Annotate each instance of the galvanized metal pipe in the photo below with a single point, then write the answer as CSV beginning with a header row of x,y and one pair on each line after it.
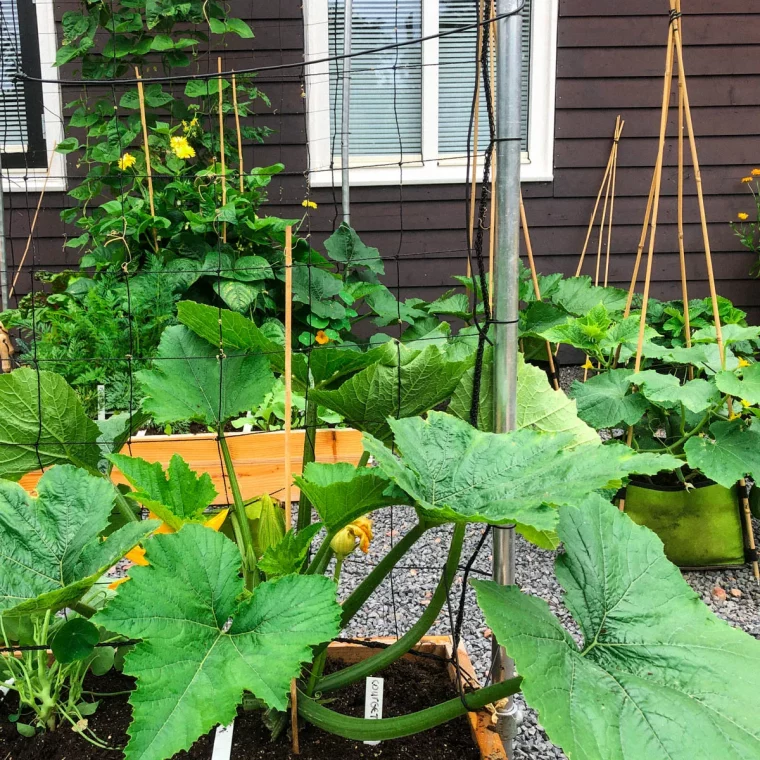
x,y
506,293
345,135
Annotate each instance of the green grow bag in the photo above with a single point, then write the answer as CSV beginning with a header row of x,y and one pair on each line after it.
x,y
700,527
754,501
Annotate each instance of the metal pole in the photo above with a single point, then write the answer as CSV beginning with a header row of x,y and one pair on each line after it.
x,y
345,144
3,258
506,295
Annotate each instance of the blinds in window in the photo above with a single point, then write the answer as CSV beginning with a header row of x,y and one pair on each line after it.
x,y
386,87
457,68
13,119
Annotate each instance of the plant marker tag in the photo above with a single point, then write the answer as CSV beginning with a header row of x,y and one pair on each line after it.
x,y
6,687
223,742
373,701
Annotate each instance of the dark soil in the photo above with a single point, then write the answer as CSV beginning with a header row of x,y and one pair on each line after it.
x,y
409,686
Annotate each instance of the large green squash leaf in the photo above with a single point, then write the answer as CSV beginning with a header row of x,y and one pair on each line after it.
x,y
177,496
326,364
42,422
341,492
666,390
606,400
731,452
578,296
50,549
746,387
405,384
539,406
658,676
201,647
455,472
189,381
345,246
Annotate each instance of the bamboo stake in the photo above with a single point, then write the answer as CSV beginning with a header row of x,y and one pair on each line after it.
x,y
288,373
294,717
146,146
221,146
536,288
675,7
492,228
593,215
619,131
239,134
32,227
667,83
748,525
475,138
6,350
604,219
640,250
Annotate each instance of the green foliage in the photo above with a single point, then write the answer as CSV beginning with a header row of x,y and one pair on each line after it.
x,y
289,554
454,472
75,640
606,400
657,676
731,451
192,381
50,551
341,493
743,385
267,523
404,383
176,496
193,664
42,423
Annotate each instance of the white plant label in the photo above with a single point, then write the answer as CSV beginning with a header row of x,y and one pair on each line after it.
x,y
373,701
6,687
223,742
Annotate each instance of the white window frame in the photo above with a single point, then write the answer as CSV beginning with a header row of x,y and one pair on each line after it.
x,y
538,161
33,180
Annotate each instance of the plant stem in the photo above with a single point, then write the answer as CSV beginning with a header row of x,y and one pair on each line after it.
x,y
364,459
321,558
407,642
361,729
122,504
240,519
365,589
694,431
309,455
83,609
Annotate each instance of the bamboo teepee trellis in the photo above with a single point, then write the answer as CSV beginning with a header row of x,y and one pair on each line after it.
x,y
674,60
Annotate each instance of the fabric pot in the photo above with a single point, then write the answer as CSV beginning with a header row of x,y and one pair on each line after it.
x,y
754,501
700,527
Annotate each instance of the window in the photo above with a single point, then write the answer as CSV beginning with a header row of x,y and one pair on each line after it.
x,y
410,106
30,112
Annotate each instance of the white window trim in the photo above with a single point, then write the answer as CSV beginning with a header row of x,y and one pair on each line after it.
x,y
33,180
538,163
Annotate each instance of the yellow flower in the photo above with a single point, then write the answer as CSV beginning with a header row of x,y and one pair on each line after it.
x,y
344,541
137,555
182,148
588,364
756,172
743,362
745,403
188,126
322,338
746,179
733,416
308,204
126,161
743,216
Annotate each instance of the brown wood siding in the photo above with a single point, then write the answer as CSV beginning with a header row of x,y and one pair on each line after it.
x,y
610,61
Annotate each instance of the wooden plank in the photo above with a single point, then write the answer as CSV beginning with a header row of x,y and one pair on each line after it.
x,y
258,457
601,63
643,92
571,8
649,31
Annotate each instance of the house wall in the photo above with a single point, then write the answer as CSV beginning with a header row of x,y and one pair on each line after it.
x,y
610,61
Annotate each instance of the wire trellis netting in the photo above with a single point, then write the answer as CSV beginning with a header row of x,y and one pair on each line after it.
x,y
164,128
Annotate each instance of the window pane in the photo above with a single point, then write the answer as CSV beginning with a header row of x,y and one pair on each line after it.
x,y
457,78
13,127
386,87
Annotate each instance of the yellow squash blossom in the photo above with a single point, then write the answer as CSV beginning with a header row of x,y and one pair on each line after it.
x,y
745,403
308,204
588,364
743,216
126,161
746,179
344,541
137,555
743,362
182,148
322,338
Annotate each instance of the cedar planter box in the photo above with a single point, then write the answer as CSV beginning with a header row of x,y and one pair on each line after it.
x,y
259,457
483,731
